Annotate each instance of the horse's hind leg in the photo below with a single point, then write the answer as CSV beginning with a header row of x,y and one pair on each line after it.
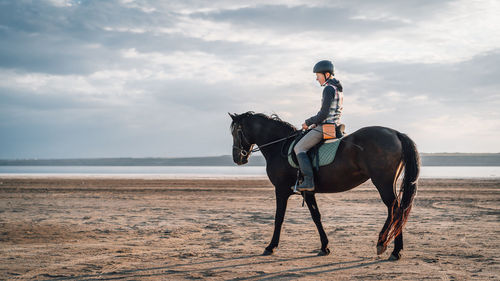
x,y
388,196
316,216
398,246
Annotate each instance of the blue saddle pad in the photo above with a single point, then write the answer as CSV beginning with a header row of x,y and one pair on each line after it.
x,y
326,153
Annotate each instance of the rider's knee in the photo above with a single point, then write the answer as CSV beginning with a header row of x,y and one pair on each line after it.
x,y
297,149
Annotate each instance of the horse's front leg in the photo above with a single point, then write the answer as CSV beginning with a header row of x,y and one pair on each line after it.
x,y
281,201
316,216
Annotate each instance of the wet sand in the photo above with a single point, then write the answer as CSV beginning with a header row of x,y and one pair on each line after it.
x,y
174,229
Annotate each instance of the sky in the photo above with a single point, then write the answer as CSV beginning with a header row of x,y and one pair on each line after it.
x,y
125,78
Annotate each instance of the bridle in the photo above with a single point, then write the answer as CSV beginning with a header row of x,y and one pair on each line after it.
x,y
245,153
241,136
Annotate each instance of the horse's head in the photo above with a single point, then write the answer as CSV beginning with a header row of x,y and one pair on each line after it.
x,y
242,138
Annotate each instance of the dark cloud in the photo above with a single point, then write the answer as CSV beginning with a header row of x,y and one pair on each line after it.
x,y
285,19
85,38
452,82
77,20
39,37
411,9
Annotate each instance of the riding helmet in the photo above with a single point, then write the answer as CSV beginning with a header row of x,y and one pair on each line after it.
x,y
323,67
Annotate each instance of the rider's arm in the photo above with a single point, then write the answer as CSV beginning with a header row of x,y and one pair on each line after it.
x,y
328,94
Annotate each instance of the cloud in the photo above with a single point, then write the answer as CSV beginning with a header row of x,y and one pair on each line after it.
x,y
432,38
148,78
297,19
465,82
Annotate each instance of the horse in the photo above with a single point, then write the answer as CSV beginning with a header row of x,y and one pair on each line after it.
x,y
376,153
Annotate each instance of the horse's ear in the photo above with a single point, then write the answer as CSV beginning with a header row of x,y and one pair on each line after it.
x,y
233,116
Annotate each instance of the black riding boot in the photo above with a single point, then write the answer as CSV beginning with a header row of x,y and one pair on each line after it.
x,y
307,170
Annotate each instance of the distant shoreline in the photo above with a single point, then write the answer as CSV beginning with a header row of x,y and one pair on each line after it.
x,y
427,159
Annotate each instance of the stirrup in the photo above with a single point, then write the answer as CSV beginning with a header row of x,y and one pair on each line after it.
x,y
306,189
294,188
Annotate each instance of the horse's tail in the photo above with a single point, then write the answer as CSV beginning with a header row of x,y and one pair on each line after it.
x,y
402,204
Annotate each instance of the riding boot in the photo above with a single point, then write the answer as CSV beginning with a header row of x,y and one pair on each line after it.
x,y
307,170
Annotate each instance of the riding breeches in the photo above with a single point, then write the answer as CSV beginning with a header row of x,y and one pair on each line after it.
x,y
312,138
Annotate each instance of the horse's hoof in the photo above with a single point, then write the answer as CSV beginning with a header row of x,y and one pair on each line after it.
x,y
394,257
267,252
324,252
381,249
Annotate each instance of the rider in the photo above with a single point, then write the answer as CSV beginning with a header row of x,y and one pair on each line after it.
x,y
331,110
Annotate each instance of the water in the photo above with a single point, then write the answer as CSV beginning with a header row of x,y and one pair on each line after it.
x,y
136,171
210,171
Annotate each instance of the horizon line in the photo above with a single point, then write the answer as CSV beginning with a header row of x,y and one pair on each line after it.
x,y
224,155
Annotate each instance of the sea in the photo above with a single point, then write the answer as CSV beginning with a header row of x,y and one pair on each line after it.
x,y
209,172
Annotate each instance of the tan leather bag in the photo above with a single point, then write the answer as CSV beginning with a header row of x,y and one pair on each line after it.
x,y
329,131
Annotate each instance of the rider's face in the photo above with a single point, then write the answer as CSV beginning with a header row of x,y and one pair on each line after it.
x,y
321,78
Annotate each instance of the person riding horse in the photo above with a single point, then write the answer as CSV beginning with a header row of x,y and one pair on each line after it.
x,y
326,118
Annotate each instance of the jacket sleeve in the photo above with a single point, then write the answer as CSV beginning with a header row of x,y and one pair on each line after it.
x,y
328,94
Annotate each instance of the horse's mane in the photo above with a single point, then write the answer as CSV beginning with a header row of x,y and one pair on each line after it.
x,y
273,117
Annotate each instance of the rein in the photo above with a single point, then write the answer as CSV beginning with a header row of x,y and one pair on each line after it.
x,y
273,142
244,152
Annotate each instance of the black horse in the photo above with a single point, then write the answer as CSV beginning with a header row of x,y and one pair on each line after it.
x,y
375,153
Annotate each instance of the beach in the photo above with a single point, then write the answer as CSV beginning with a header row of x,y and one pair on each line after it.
x,y
81,228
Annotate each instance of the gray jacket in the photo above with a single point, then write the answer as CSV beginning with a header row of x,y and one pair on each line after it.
x,y
331,105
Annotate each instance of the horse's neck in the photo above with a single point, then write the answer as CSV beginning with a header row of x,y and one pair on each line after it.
x,y
269,134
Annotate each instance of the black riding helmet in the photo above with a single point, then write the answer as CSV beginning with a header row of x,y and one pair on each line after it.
x,y
323,66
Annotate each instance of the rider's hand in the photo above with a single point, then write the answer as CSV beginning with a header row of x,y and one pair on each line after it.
x,y
304,126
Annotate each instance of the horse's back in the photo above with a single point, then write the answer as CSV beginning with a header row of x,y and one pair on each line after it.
x,y
363,154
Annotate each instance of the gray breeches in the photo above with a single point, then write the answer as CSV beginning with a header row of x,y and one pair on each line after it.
x,y
312,138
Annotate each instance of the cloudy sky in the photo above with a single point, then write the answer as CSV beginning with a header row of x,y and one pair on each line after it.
x,y
125,78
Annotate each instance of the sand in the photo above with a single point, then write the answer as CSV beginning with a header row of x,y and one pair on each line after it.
x,y
174,229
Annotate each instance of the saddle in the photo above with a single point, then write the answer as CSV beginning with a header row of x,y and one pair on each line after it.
x,y
322,153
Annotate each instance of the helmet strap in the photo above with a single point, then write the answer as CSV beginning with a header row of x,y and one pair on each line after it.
x,y
326,80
